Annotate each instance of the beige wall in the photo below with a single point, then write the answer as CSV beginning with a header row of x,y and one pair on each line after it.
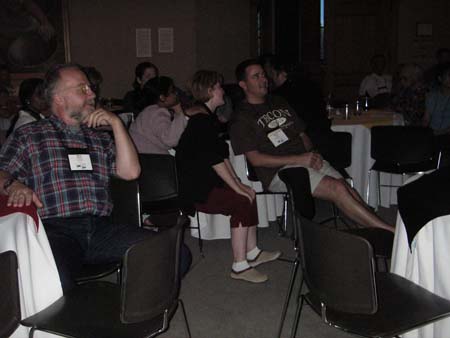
x,y
422,49
207,34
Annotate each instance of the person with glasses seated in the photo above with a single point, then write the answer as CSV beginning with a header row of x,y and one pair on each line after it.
x,y
63,164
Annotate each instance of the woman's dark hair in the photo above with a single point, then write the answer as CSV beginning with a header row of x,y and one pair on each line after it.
x,y
139,72
27,89
153,88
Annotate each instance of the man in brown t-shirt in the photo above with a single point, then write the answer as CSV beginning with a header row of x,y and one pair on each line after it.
x,y
269,133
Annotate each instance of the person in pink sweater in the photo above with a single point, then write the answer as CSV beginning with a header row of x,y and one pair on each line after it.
x,y
159,126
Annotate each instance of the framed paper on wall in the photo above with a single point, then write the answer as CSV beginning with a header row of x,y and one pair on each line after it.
x,y
34,34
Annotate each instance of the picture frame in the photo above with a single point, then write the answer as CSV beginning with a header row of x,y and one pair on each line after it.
x,y
33,39
424,29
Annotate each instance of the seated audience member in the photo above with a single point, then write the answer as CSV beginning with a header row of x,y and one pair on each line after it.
x,y
37,165
305,97
209,183
431,74
134,100
159,126
408,96
438,103
272,137
33,106
377,85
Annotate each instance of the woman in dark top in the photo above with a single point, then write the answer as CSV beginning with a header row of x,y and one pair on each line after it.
x,y
210,184
134,100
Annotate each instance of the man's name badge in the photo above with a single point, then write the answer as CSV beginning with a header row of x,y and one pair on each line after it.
x,y
277,137
79,160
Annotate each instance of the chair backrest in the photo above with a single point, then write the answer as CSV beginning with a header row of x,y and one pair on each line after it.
x,y
150,275
339,151
250,171
9,294
402,145
158,180
299,189
339,269
125,197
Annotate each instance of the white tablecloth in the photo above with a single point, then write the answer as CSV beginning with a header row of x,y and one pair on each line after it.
x,y
39,284
362,162
218,226
426,265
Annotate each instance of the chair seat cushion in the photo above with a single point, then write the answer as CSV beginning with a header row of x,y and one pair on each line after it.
x,y
97,307
164,206
402,306
96,271
397,168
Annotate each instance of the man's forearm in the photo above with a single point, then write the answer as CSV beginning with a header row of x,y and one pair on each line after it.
x,y
127,160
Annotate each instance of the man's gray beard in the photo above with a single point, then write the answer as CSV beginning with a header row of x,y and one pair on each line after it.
x,y
76,115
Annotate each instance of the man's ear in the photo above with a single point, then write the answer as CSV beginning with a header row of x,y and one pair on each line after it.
x,y
242,84
162,98
210,90
58,99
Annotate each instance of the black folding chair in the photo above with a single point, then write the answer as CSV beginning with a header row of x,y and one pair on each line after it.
x,y
252,177
346,291
302,204
142,306
126,211
339,154
401,150
9,294
158,188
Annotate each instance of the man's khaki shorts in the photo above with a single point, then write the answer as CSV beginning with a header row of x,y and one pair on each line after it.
x,y
315,176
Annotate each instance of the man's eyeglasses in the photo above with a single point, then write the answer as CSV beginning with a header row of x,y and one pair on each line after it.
x,y
84,88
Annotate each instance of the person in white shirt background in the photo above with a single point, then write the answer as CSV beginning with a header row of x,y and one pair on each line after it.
x,y
377,86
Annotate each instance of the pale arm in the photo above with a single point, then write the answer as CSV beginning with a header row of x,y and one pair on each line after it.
x,y
246,188
127,161
224,173
307,141
18,193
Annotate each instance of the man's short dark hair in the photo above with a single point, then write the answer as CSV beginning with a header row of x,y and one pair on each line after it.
x,y
242,67
52,77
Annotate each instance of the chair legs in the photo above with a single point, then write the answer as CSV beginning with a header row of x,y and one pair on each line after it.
x,y
188,330
200,240
298,312
295,265
283,224
292,279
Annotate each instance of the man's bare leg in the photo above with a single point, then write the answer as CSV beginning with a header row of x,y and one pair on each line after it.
x,y
338,192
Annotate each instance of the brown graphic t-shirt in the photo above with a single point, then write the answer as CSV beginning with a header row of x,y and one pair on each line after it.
x,y
254,125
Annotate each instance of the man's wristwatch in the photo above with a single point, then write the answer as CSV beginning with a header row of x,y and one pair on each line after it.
x,y
8,183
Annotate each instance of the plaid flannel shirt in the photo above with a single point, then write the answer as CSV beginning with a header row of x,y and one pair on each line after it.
x,y
36,155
